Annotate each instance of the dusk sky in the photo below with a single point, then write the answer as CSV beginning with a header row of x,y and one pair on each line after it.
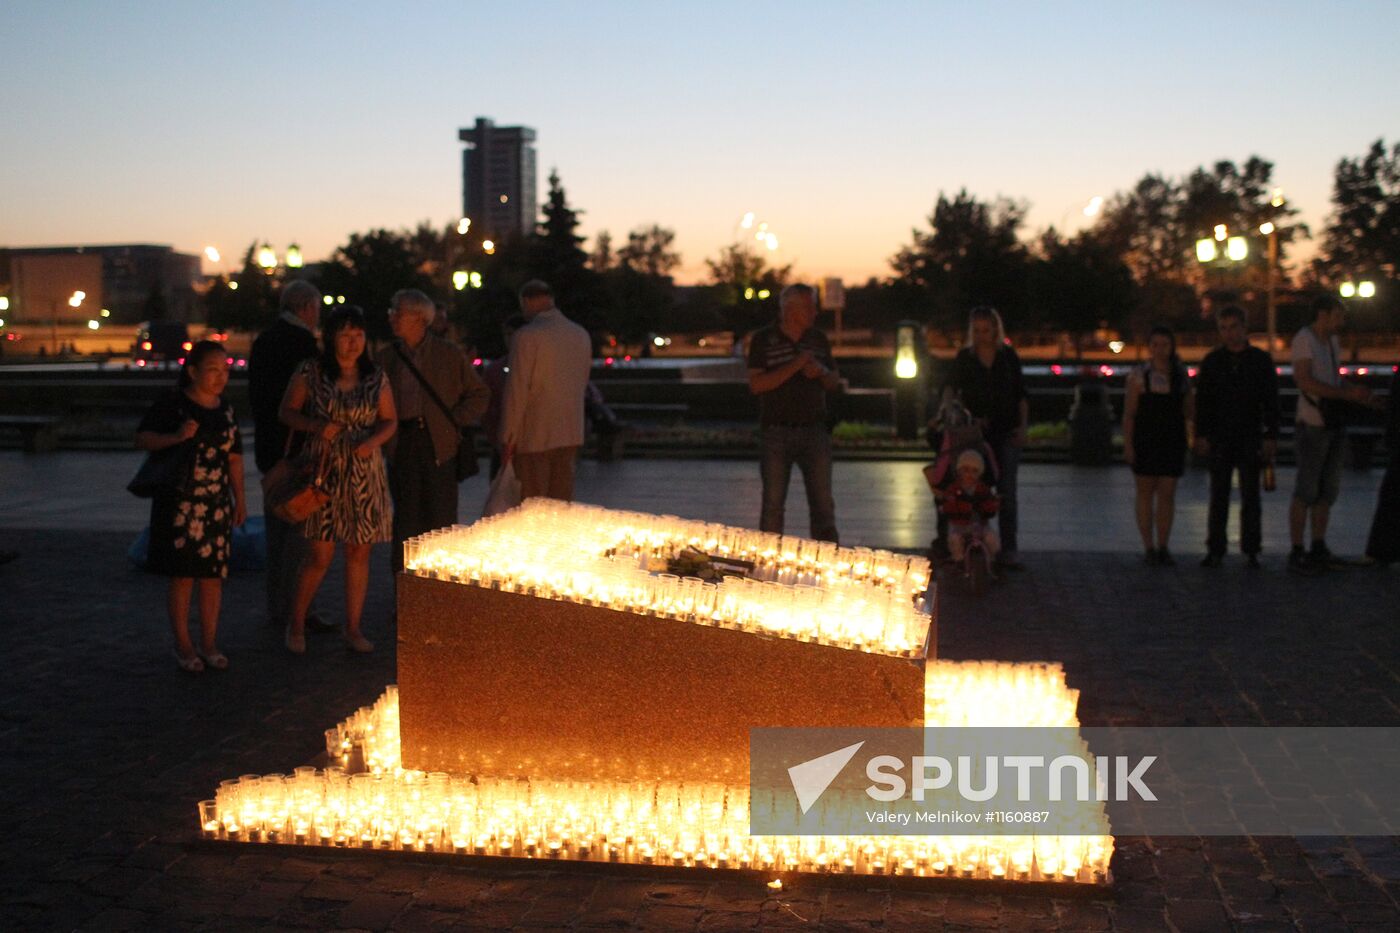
x,y
195,123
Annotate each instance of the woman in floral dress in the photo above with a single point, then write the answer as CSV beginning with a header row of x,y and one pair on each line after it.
x,y
192,523
343,402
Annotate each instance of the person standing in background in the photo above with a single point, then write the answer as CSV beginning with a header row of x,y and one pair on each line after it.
x,y
550,361
277,353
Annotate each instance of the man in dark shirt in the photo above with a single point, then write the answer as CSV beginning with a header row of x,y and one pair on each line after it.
x,y
1237,415
277,353
791,371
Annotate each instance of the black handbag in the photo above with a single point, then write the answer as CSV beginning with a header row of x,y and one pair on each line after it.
x,y
466,462
164,471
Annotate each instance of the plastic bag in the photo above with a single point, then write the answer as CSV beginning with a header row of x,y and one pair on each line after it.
x,y
504,494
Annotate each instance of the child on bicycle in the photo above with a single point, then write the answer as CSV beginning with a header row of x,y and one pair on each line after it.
x,y
969,505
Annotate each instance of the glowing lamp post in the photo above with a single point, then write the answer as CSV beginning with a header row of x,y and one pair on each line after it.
x,y
294,260
908,390
1221,249
267,258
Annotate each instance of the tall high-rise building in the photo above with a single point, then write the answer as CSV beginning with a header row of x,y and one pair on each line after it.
x,y
498,178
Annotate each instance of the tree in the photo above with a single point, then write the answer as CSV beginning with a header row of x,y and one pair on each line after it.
x,y
1079,284
742,276
369,268
969,256
602,258
1154,228
648,251
1362,237
556,255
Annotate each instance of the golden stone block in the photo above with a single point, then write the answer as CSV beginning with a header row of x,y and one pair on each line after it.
x,y
506,684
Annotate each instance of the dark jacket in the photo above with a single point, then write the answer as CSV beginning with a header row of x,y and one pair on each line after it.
x,y
1237,398
994,393
275,356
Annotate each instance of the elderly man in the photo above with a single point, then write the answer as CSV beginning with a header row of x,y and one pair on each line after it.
x,y
437,393
542,415
791,371
277,353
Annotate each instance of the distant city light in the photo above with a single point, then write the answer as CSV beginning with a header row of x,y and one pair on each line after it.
x,y
1205,251
75,300
1093,207
93,325
1220,232
488,246
476,280
1277,199
1366,289
1116,346
1266,228
1237,248
763,294
747,222
464,225
266,257
4,303
748,294
211,254
659,341
1348,290
232,285
328,299
2,322
772,241
460,279
505,198
106,313
294,260
340,299
80,295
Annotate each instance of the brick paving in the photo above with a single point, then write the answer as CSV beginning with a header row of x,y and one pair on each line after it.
x,y
105,748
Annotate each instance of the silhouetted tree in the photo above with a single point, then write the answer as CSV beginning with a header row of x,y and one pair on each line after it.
x,y
1362,238
648,251
1079,284
369,268
969,256
741,275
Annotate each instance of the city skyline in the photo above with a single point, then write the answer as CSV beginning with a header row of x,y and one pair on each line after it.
x,y
165,123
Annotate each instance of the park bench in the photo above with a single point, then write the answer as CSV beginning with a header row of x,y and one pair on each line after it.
x,y
38,433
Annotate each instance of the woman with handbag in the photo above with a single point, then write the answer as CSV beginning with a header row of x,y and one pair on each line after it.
x,y
197,498
343,402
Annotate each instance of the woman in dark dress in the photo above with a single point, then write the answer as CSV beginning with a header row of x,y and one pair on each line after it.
x,y
1383,546
986,376
1158,406
192,524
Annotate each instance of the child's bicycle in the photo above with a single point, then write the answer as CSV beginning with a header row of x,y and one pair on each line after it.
x,y
977,564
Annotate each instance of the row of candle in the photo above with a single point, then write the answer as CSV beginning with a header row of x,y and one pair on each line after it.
x,y
695,826
998,693
590,555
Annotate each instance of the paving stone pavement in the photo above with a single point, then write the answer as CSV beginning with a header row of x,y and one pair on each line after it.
x,y
105,748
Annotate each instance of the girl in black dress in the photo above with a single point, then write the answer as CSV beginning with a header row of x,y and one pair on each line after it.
x,y
192,524
1160,403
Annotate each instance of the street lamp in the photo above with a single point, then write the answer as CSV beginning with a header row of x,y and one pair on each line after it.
x,y
1363,289
1208,249
294,260
267,259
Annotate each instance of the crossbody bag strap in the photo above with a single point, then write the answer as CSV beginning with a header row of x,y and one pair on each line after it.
x,y
432,394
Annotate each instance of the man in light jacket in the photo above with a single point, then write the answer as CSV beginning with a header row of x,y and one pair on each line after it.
x,y
542,414
422,453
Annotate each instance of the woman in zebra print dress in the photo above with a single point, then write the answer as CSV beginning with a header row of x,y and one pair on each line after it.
x,y
344,403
